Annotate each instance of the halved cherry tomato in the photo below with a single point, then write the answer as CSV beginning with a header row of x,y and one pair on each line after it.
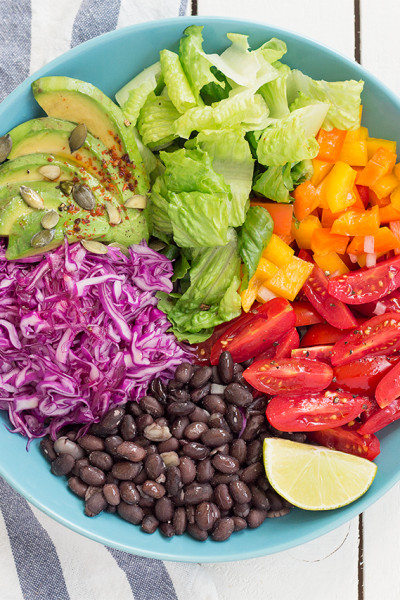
x,y
287,343
390,303
367,285
331,309
306,314
347,440
321,334
381,417
288,375
256,331
363,375
377,336
322,353
388,389
314,412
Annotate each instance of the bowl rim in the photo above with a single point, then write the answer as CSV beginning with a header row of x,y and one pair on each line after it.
x,y
351,510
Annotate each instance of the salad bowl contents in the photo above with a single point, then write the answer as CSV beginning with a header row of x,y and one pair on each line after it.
x,y
199,297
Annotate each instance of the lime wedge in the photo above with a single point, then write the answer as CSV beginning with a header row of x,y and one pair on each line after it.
x,y
314,477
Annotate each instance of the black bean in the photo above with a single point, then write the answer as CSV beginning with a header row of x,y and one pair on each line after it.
x,y
110,421
253,427
170,445
225,367
131,451
254,452
262,482
225,463
77,486
81,462
95,504
259,498
130,512
143,421
179,396
198,492
173,385
239,523
184,372
240,492
223,529
164,509
111,494
134,409
195,450
153,489
234,418
167,529
256,517
47,448
100,459
200,393
158,389
112,442
179,520
111,509
129,492
197,533
216,437
62,465
251,473
205,471
190,513
92,475
111,479
214,403
200,377
224,478
217,421
151,406
173,481
275,501
235,393
143,442
238,450
258,406
272,514
91,442
222,497
140,477
178,426
179,498
126,470
241,509
187,469
199,414
128,427
215,378
147,503
224,449
92,490
149,524
154,465
194,430
180,409
206,514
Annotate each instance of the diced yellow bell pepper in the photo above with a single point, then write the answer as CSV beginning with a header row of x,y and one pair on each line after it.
x,y
385,185
321,170
396,170
374,143
304,229
331,263
356,135
339,187
278,252
354,153
395,198
362,258
265,269
249,294
289,280
321,189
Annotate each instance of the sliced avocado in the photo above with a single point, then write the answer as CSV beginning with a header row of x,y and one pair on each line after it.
x,y
131,230
15,207
81,102
50,136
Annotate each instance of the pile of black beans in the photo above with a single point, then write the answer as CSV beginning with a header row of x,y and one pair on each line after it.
x,y
180,460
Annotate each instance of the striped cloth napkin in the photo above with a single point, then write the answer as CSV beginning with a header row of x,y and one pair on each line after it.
x,y
39,558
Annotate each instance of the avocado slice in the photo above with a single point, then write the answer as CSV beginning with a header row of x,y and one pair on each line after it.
x,y
50,136
81,102
14,207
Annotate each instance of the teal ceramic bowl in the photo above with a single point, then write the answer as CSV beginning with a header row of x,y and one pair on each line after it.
x,y
108,62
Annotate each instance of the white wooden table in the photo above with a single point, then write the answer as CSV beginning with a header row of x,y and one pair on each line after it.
x,y
358,561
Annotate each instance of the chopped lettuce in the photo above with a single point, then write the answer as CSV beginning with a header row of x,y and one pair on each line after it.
x,y
156,122
133,95
194,62
177,85
253,237
275,183
301,171
212,92
274,93
343,97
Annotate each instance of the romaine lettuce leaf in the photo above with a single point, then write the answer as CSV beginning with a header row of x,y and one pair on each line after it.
x,y
212,92
274,93
253,237
194,62
301,171
275,184
133,95
189,170
177,85
156,122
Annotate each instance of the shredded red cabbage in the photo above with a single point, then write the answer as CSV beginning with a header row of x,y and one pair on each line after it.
x,y
80,333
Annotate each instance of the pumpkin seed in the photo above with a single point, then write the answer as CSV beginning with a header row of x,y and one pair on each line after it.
x,y
120,247
114,216
5,147
51,172
94,247
77,137
66,187
137,201
31,197
42,238
83,196
50,219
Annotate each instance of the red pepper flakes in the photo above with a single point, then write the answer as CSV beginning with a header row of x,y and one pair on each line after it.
x,y
50,159
124,187
78,156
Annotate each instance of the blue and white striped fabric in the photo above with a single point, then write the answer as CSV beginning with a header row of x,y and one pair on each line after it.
x,y
39,558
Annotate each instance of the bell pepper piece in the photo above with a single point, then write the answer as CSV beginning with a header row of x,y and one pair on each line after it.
x,y
380,164
363,192
328,218
324,242
287,239
395,198
354,153
389,213
357,222
396,170
306,200
304,229
281,214
265,269
321,170
289,280
330,144
339,186
331,264
373,144
384,241
356,135
385,186
395,229
375,201
248,296
278,252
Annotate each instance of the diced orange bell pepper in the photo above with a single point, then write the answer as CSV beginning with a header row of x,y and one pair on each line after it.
x,y
248,295
395,198
358,202
328,218
321,190
288,281
374,143
281,214
375,201
331,263
395,229
357,222
385,186
354,153
384,241
304,229
380,164
321,170
330,144
388,213
278,252
306,200
339,187
396,170
265,269
324,242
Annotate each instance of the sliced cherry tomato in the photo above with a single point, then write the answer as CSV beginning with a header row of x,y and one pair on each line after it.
x,y
306,314
363,375
388,389
314,412
321,334
203,349
347,440
253,333
322,353
377,336
288,375
289,342
332,310
390,303
381,418
367,285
